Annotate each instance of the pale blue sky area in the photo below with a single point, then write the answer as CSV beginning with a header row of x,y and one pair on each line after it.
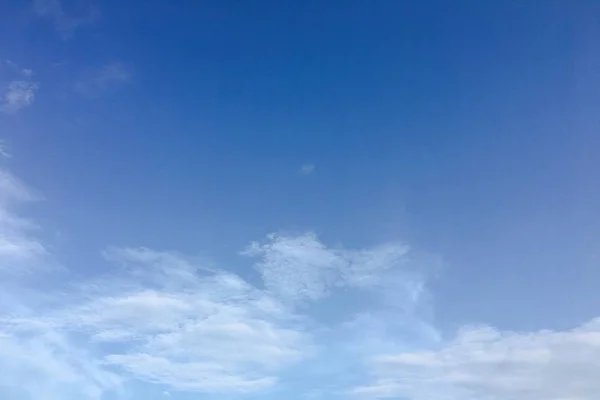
x,y
304,200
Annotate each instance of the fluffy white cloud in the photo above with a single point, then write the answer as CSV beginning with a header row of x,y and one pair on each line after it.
x,y
486,364
19,94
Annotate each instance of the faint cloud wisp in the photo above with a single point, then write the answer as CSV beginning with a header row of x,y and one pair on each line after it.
x,y
306,169
65,22
103,80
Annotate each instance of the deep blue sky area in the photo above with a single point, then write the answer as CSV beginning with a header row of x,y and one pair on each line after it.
x,y
467,130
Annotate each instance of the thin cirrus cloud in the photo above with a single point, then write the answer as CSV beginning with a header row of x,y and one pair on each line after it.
x,y
161,318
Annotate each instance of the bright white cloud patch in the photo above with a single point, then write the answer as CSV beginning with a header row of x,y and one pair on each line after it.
x,y
297,268
19,94
482,363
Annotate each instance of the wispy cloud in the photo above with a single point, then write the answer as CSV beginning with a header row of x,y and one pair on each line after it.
x,y
298,268
103,80
162,318
4,153
65,22
19,248
181,326
306,169
19,94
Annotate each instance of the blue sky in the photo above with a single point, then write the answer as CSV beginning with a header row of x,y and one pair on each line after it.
x,y
304,200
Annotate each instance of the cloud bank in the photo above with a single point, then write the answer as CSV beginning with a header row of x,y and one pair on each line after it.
x,y
311,320
484,363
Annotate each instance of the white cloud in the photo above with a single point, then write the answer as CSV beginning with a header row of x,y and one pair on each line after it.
x,y
182,326
162,318
65,22
307,169
486,364
297,268
103,80
19,94
20,90
195,330
39,363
